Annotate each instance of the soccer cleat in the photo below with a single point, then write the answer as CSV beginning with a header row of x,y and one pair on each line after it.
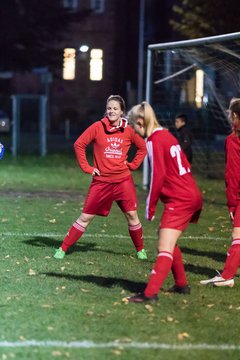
x,y
218,281
59,254
141,298
180,289
142,255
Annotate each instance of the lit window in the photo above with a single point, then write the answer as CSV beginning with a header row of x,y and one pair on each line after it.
x,y
69,60
199,88
98,6
71,4
96,64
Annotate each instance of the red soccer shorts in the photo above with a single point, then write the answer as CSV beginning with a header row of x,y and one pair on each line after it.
x,y
101,195
178,215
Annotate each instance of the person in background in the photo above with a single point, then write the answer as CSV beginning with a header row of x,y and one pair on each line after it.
x,y
1,150
172,183
184,135
112,181
232,182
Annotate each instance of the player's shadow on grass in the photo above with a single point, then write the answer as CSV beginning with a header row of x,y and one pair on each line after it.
x,y
200,270
44,241
217,256
81,246
107,282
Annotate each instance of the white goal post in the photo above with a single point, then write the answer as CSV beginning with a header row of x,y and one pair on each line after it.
x,y
197,77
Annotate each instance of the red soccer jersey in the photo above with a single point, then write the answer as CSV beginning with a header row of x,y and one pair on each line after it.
x,y
171,177
110,150
232,170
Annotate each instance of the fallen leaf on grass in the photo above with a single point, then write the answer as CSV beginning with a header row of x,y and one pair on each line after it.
x,y
56,353
47,306
85,290
149,308
89,313
170,319
31,272
211,228
183,336
125,300
52,221
116,352
210,305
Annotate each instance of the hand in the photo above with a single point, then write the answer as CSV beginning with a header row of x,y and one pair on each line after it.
x,y
150,218
232,212
95,172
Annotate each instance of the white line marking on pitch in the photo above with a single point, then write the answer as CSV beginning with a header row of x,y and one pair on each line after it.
x,y
118,236
116,344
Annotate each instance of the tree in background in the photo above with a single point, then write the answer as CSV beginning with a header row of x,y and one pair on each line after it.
x,y
31,31
197,18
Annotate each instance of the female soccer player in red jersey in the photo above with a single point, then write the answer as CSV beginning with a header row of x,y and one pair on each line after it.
x,y
232,181
112,138
171,182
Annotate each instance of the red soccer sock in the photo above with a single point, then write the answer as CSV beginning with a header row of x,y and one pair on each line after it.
x,y
74,233
159,273
233,260
178,268
136,234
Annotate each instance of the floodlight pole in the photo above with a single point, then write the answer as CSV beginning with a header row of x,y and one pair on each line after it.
x,y
141,50
43,124
145,182
15,124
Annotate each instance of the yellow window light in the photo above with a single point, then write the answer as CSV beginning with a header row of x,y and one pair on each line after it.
x,y
96,64
199,92
69,64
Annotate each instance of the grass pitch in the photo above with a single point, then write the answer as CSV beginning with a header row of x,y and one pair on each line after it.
x,y
73,308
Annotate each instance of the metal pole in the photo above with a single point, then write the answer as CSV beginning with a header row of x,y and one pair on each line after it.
x,y
43,125
141,50
148,99
15,124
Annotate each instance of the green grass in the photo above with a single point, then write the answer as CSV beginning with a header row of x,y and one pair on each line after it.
x,y
80,297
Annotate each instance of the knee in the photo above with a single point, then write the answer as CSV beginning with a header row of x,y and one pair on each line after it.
x,y
236,233
132,217
85,219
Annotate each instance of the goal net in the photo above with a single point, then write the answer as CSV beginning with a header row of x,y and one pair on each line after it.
x,y
198,78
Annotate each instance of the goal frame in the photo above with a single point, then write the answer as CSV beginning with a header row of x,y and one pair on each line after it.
x,y
149,71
